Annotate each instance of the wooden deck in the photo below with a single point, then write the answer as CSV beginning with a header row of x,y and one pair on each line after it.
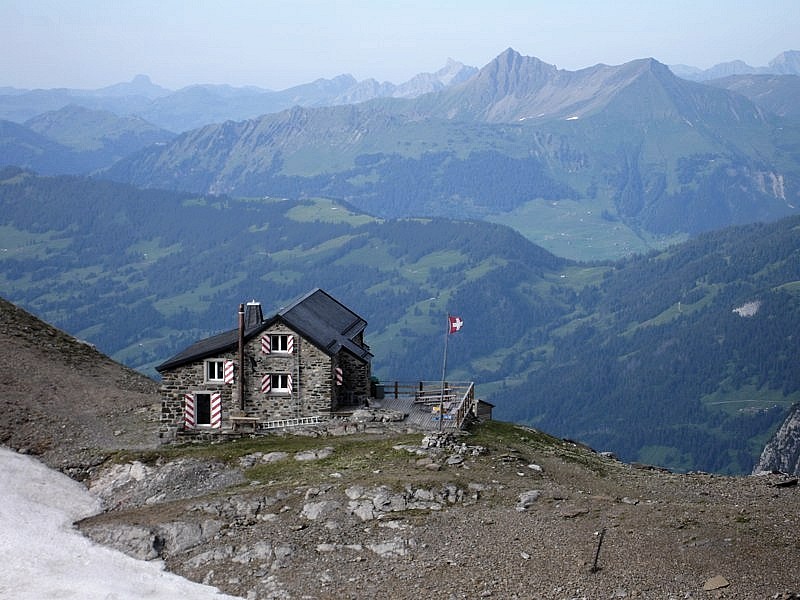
x,y
419,415
421,401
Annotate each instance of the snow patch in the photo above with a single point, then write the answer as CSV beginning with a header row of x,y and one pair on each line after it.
x,y
44,556
748,309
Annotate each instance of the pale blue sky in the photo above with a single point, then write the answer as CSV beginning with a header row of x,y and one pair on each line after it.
x,y
276,44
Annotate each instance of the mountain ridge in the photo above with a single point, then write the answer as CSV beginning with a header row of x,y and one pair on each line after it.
x,y
54,377
197,105
785,63
588,135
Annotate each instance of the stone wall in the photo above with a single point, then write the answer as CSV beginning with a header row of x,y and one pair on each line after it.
x,y
189,379
310,369
313,383
356,381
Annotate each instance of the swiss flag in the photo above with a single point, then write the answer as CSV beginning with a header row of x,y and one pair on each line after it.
x,y
455,324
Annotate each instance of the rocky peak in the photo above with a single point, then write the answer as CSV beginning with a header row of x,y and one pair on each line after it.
x,y
513,73
786,63
454,72
423,83
782,452
340,83
141,85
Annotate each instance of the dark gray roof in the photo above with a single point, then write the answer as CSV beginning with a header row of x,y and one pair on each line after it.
x,y
317,316
328,323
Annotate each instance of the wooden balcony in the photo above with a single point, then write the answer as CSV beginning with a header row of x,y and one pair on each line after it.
x,y
430,405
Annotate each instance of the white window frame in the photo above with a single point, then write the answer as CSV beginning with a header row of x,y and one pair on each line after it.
x,y
276,380
219,368
279,343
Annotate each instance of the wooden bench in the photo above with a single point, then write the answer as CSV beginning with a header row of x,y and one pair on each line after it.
x,y
433,398
242,421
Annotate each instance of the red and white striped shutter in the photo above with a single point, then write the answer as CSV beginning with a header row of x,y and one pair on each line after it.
x,y
228,377
339,376
265,344
289,383
216,410
266,384
290,345
188,411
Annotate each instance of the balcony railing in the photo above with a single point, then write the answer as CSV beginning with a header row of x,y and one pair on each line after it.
x,y
450,403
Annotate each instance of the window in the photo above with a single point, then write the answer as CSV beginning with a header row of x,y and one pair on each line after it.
x,y
276,383
281,383
215,370
281,343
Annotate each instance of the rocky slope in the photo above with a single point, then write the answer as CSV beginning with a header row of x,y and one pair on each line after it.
x,y
782,452
66,402
503,512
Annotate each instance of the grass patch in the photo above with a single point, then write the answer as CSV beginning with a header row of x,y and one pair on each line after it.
x,y
748,399
26,245
357,456
323,210
578,230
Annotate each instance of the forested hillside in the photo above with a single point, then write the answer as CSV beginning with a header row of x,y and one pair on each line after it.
x,y
699,342
141,273
647,357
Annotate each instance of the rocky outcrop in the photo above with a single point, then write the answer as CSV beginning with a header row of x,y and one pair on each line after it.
x,y
447,515
149,543
782,452
137,484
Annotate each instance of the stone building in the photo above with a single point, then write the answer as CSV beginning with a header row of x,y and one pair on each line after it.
x,y
303,363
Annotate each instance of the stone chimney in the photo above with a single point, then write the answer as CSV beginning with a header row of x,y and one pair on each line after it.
x,y
252,315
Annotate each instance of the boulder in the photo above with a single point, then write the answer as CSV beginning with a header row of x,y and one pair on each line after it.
x,y
527,499
314,454
314,511
134,540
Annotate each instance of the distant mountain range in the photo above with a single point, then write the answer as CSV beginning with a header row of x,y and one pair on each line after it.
x,y
198,105
656,154
202,104
619,158
786,63
775,93
75,139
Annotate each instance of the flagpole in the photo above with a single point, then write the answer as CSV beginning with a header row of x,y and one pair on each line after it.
x,y
444,370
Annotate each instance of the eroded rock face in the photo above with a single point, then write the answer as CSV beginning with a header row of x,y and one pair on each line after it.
x,y
148,543
135,484
782,452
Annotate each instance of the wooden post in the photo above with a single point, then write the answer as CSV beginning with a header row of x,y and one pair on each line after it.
x,y
595,568
241,357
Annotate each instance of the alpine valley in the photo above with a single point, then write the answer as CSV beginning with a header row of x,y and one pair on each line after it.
x,y
623,244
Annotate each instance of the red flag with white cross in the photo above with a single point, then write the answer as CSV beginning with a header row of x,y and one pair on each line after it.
x,y
456,323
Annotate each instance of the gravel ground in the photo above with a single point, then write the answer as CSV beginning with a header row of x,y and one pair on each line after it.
x,y
663,535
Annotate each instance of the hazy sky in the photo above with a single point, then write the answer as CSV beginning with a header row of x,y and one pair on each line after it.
x,y
276,44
